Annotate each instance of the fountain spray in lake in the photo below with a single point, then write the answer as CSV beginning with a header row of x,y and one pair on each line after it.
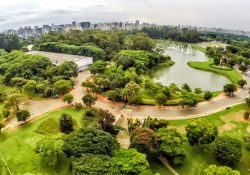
x,y
181,48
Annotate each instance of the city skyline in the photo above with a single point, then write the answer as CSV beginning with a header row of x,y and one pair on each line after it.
x,y
220,13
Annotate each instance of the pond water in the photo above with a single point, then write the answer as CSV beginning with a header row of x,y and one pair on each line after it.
x,y
181,73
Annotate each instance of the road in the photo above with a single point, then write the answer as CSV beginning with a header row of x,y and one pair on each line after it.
x,y
37,108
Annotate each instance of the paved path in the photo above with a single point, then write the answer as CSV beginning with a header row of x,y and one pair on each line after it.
x,y
37,108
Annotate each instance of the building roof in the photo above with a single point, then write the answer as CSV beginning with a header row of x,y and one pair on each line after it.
x,y
59,58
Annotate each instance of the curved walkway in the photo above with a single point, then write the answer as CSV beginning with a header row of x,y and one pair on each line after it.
x,y
37,108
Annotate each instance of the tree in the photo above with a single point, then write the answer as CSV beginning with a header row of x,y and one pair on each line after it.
x,y
243,68
129,90
161,99
97,67
50,146
14,100
68,98
23,115
113,95
88,100
67,69
201,131
171,145
208,95
198,90
91,141
144,140
18,82
106,122
220,170
62,86
229,89
189,99
66,123
142,42
130,161
154,123
91,164
242,83
186,87
30,88
227,150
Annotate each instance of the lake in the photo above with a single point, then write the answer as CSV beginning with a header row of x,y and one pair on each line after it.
x,y
181,73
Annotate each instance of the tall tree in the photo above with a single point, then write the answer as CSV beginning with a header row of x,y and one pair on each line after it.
x,y
91,141
201,131
66,123
88,100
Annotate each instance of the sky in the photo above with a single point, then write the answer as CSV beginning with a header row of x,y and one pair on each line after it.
x,y
230,14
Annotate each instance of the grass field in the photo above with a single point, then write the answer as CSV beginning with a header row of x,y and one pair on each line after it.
x,y
233,75
231,123
18,147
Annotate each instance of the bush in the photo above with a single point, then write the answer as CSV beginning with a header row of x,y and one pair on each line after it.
x,y
66,123
23,115
49,126
135,99
208,95
5,113
78,106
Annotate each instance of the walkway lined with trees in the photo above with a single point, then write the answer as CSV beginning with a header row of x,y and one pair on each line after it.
x,y
37,108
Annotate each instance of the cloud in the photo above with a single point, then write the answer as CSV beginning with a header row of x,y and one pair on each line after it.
x,y
220,13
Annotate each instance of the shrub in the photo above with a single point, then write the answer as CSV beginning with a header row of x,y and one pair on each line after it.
x,y
66,123
78,106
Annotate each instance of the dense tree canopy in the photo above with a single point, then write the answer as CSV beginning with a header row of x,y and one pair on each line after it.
x,y
130,161
220,170
201,131
90,164
227,150
171,145
144,140
91,141
9,42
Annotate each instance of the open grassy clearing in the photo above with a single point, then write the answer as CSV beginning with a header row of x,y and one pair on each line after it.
x,y
231,123
18,147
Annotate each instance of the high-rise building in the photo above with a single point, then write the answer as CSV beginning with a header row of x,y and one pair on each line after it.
x,y
85,25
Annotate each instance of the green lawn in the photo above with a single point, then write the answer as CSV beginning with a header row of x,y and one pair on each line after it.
x,y
199,157
18,147
233,75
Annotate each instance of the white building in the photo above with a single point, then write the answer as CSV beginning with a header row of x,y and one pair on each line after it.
x,y
59,58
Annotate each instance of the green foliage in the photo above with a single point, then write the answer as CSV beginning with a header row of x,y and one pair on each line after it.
x,y
161,99
23,115
30,88
130,161
9,42
144,140
229,89
242,83
201,131
68,98
50,146
154,123
85,50
189,99
49,126
133,124
106,121
68,69
135,99
90,164
88,100
97,67
129,90
208,95
220,170
141,60
66,123
227,150
186,87
62,87
91,141
142,42
14,100
173,33
171,145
